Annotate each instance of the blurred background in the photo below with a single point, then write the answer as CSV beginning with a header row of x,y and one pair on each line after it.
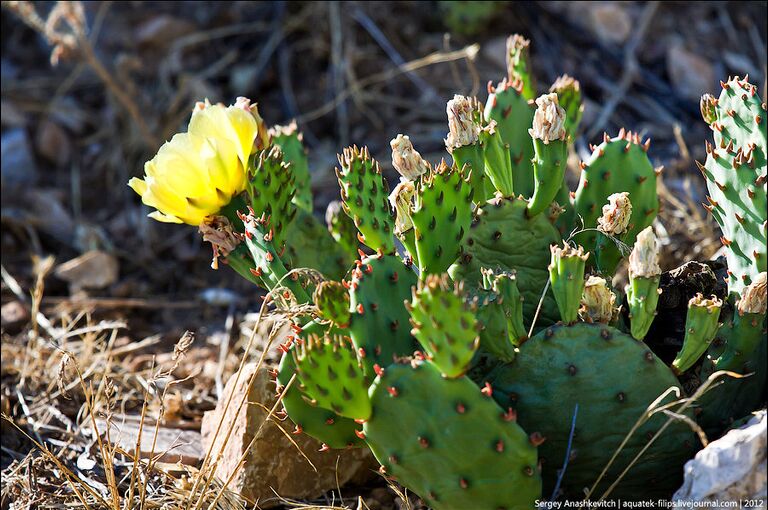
x,y
91,90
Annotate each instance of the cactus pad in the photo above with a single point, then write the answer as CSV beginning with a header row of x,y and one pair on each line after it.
x,y
332,375
441,217
503,236
616,165
379,324
365,193
567,365
736,177
444,324
449,442
270,190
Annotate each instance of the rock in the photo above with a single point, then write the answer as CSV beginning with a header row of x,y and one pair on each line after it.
x,y
92,270
161,31
52,142
14,315
171,444
691,74
17,166
609,21
272,464
728,470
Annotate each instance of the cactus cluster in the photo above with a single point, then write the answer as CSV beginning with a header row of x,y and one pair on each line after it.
x,y
461,363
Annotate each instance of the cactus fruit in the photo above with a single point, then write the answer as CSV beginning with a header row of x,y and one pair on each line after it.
x,y
503,236
364,194
735,171
504,285
449,442
498,166
271,189
513,116
568,92
567,365
379,325
549,145
332,301
644,277
463,141
701,324
518,64
332,376
566,275
290,141
748,327
617,164
441,215
444,324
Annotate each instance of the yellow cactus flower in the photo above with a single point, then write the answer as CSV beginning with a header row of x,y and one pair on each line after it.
x,y
197,173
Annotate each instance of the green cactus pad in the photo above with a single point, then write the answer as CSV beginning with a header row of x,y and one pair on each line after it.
x,y
379,324
449,442
318,422
332,301
444,324
341,227
271,189
587,364
503,236
332,375
268,266
441,217
746,335
566,276
306,239
735,171
513,115
701,325
365,193
616,165
549,171
519,64
290,141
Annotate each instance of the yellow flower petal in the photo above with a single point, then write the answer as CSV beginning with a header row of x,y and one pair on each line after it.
x,y
165,218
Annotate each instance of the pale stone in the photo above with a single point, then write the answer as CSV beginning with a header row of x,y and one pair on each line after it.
x,y
271,464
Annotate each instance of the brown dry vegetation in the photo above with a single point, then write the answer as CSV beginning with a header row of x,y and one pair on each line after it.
x,y
90,91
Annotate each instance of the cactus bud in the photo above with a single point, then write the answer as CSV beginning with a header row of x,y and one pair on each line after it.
x,y
401,200
616,214
701,324
644,259
218,231
548,120
597,302
406,160
753,298
463,128
566,274
707,104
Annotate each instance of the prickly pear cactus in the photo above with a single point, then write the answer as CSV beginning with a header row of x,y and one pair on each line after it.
x,y
735,171
617,164
564,366
450,443
379,325
290,141
444,323
503,236
364,193
271,189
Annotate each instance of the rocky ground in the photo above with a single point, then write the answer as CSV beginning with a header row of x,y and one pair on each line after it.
x,y
96,297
